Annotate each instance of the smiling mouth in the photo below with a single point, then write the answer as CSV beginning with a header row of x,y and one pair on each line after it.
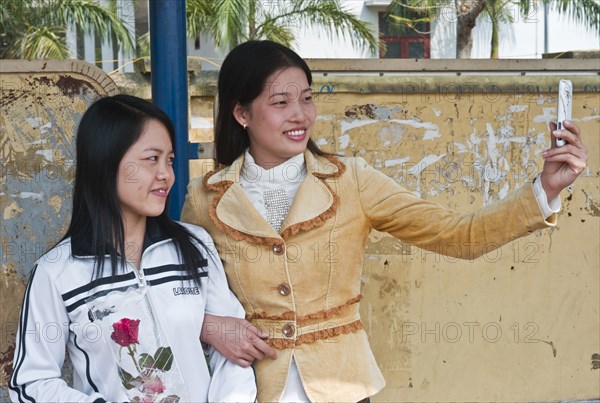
x,y
295,132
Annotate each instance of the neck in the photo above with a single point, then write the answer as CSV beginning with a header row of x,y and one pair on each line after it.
x,y
267,165
134,239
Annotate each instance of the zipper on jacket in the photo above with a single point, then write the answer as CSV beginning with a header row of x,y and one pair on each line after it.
x,y
142,281
139,274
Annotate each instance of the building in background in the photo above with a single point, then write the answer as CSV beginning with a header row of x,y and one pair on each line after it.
x,y
526,37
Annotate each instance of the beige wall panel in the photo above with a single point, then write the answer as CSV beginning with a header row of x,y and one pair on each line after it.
x,y
518,324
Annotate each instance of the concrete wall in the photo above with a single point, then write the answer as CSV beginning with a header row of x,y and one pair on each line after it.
x,y
521,323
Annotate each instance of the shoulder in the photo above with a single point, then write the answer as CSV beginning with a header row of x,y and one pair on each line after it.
x,y
58,259
354,162
59,268
353,166
196,184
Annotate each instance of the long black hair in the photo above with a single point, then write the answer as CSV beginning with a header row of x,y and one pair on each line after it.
x,y
242,77
108,128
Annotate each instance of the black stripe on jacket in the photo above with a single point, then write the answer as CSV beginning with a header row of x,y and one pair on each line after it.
x,y
20,390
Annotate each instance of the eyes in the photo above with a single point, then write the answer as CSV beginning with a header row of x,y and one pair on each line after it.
x,y
284,100
155,158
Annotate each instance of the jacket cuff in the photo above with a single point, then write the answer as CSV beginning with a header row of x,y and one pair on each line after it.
x,y
531,205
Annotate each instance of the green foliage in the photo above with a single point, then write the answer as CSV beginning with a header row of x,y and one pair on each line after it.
x,y
231,22
36,29
585,11
404,17
582,11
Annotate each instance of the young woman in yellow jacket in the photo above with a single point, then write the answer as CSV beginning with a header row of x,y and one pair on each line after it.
x,y
276,199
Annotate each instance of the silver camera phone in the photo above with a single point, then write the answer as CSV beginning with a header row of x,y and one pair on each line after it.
x,y
563,112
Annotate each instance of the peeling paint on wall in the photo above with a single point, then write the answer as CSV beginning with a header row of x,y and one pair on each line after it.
x,y
484,151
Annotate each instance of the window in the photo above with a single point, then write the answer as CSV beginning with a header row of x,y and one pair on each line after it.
x,y
403,42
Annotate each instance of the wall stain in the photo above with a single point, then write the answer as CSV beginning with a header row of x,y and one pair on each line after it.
x,y
71,87
593,207
6,364
360,111
372,111
11,294
551,344
595,361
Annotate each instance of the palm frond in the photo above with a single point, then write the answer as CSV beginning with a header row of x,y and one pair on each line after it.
x,y
330,16
230,23
104,20
41,43
583,11
401,24
430,8
200,14
276,33
499,11
143,43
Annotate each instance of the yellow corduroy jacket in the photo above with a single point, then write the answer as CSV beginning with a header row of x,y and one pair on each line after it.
x,y
302,285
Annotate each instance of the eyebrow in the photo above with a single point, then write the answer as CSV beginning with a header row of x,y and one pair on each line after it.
x,y
158,150
285,93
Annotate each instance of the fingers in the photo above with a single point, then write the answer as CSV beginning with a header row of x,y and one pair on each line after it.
x,y
570,133
253,330
237,339
576,164
265,350
243,362
257,347
261,349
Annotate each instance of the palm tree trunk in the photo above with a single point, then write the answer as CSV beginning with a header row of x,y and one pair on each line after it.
x,y
494,10
494,51
467,13
252,20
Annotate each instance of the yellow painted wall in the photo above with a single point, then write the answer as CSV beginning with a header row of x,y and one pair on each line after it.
x,y
521,323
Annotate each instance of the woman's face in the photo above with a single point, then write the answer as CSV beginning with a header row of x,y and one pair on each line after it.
x,y
145,174
280,120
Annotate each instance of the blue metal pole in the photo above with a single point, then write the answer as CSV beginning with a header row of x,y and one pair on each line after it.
x,y
168,54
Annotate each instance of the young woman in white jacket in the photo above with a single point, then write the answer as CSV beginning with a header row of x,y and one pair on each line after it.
x,y
126,290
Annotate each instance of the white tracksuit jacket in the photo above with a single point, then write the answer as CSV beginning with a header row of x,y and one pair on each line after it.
x,y
61,307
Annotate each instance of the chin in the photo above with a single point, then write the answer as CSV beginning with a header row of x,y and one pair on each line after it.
x,y
155,213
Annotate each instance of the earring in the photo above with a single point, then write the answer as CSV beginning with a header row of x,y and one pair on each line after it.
x,y
244,126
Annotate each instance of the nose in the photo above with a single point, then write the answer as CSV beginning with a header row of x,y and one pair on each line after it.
x,y
165,171
298,111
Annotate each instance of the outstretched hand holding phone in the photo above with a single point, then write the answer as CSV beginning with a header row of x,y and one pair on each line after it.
x,y
567,158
